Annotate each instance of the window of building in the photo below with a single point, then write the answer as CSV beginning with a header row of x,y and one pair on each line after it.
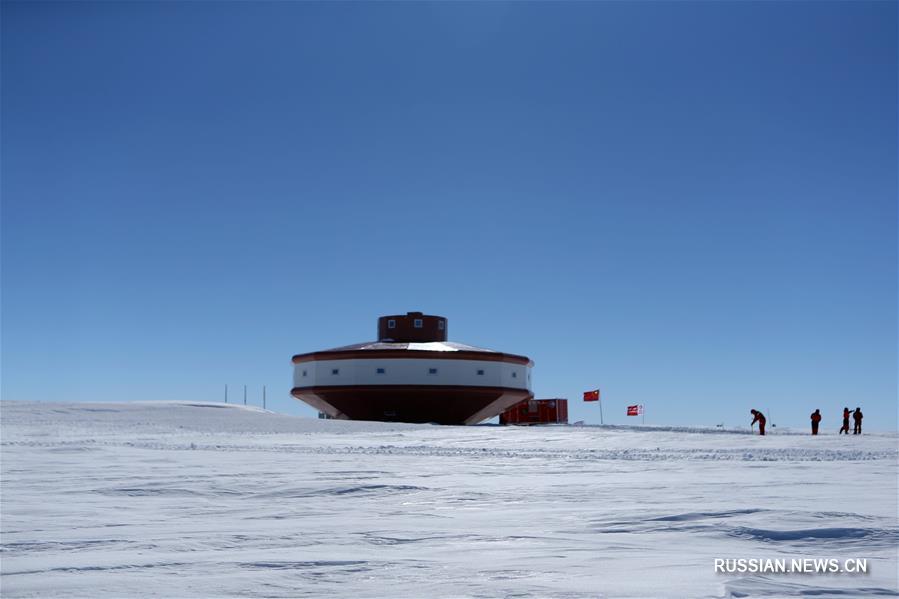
x,y
441,324
380,371
335,371
391,324
304,373
432,371
514,375
417,323
480,372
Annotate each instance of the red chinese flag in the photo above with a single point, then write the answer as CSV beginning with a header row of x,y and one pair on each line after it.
x,y
633,410
591,395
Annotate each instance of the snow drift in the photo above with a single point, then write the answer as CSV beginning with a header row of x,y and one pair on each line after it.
x,y
203,500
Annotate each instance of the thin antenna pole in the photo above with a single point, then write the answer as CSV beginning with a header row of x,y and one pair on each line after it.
x,y
226,393
244,395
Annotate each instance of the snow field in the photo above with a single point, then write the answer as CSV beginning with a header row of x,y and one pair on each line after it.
x,y
209,500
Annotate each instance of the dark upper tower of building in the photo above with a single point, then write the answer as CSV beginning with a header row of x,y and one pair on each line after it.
x,y
412,327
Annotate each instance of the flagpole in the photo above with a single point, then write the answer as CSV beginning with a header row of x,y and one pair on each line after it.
x,y
600,406
643,413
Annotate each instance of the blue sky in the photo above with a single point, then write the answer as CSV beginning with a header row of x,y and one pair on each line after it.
x,y
691,205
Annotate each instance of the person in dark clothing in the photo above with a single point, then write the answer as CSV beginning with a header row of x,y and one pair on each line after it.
x,y
845,428
816,418
760,418
857,417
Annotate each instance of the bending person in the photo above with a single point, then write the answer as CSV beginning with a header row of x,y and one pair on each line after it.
x,y
760,418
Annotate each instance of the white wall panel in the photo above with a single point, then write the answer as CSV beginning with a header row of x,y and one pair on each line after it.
x,y
400,371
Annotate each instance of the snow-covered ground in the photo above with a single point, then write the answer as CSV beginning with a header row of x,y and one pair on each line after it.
x,y
209,500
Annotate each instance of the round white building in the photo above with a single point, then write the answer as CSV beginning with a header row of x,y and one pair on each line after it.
x,y
412,374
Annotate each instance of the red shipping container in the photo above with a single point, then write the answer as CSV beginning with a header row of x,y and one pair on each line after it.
x,y
537,411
